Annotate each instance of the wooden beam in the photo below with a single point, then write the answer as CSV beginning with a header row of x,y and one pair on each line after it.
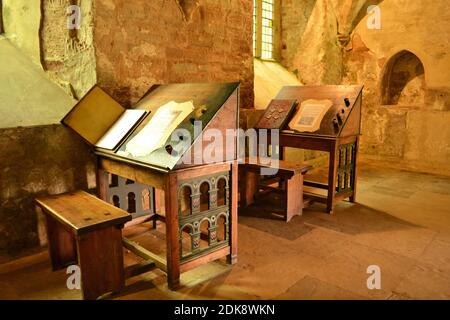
x,y
314,197
139,268
144,253
188,265
314,184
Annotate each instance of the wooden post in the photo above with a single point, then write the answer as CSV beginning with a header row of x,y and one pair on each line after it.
x,y
355,172
249,187
294,196
100,257
232,258
61,244
102,184
173,249
332,171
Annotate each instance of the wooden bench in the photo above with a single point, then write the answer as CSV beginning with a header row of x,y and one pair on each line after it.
x,y
289,178
86,230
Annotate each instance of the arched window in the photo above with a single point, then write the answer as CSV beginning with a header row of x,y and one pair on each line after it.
x,y
403,82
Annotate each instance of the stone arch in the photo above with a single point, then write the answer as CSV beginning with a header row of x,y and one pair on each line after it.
x,y
403,80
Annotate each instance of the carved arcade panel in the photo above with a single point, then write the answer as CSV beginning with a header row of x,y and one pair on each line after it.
x,y
135,198
203,204
346,168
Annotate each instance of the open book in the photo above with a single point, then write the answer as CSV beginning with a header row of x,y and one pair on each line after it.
x,y
101,121
160,127
120,129
310,114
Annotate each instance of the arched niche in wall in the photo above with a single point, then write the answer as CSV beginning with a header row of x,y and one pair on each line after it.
x,y
403,82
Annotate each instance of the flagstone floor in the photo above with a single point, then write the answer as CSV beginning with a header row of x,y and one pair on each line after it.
x,y
400,223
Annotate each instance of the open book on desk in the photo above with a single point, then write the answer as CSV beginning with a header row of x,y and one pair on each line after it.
x,y
160,127
121,129
101,121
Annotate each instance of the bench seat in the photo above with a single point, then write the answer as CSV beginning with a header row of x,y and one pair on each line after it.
x,y
87,231
289,177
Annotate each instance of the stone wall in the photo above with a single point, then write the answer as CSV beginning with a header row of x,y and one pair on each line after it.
x,y
21,21
328,42
37,157
37,161
403,67
140,43
39,29
295,15
68,56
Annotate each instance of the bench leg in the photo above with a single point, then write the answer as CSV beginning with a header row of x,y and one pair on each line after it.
x,y
249,187
61,244
100,258
294,196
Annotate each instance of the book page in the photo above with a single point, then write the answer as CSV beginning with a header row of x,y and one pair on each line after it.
x,y
155,133
310,115
120,129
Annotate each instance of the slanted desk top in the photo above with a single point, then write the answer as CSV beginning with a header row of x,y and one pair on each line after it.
x,y
216,106
342,119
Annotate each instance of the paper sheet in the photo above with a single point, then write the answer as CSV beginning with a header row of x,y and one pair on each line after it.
x,y
160,127
310,115
120,129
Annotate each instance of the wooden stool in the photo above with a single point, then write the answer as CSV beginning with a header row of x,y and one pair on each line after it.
x,y
86,230
289,176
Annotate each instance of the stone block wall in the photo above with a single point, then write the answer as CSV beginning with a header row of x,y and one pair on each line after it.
x,y
403,66
37,161
140,43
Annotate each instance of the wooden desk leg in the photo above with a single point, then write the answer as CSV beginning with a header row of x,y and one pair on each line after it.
x,y
100,257
332,171
249,187
355,172
102,184
172,241
294,196
61,244
232,258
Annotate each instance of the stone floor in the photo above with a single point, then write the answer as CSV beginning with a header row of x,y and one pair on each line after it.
x,y
401,223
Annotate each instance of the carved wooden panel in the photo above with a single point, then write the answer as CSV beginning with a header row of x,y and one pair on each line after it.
x,y
130,196
202,213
